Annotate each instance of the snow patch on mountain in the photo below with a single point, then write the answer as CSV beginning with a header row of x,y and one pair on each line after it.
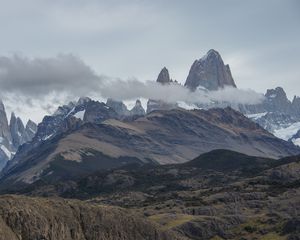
x,y
287,133
186,106
48,137
80,114
296,141
8,153
256,115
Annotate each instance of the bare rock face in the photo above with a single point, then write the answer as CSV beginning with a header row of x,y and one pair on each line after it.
x,y
13,135
138,109
209,72
164,77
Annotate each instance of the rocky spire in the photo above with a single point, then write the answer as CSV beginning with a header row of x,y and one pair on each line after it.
x,y
138,109
209,72
164,77
17,131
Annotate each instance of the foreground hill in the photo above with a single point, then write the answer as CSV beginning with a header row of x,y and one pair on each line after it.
x,y
219,195
37,218
161,137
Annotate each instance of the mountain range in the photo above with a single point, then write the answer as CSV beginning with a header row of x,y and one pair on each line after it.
x,y
88,135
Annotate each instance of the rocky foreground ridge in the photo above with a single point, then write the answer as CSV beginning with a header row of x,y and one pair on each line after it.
x,y
40,218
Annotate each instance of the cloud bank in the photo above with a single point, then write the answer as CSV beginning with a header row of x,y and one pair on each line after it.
x,y
48,82
133,89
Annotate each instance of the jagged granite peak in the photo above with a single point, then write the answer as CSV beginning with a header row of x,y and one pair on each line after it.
x,y
209,72
138,109
118,106
277,93
12,135
164,77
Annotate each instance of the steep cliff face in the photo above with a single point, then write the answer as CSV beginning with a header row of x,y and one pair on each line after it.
x,y
209,72
39,218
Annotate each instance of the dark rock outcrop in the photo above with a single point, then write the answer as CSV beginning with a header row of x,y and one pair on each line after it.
x,y
209,72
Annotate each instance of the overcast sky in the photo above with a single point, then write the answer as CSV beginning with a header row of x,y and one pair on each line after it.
x,y
80,40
